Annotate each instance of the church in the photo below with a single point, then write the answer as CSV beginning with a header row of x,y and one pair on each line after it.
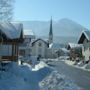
x,y
46,48
40,47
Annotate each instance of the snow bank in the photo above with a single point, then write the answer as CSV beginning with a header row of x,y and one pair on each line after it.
x,y
39,66
69,62
13,78
81,64
22,77
18,78
42,70
55,81
87,66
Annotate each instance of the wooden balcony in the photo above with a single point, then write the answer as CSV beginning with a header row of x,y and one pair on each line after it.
x,y
10,58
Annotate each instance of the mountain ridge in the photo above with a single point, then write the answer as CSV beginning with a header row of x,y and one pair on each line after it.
x,y
62,28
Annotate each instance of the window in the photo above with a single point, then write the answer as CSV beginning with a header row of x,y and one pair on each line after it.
x,y
40,44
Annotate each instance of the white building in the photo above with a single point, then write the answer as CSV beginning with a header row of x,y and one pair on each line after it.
x,y
75,51
25,48
85,40
39,48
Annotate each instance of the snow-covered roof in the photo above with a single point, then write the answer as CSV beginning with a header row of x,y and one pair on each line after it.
x,y
29,34
54,46
84,34
34,41
87,33
11,29
65,50
74,45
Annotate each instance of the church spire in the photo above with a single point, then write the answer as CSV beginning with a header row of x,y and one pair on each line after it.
x,y
50,33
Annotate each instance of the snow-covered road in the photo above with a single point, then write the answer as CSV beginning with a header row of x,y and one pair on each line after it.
x,y
78,76
40,77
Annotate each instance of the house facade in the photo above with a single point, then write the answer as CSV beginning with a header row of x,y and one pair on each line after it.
x,y
11,35
85,40
75,51
25,47
39,48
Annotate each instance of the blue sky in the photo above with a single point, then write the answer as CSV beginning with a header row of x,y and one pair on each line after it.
x,y
77,10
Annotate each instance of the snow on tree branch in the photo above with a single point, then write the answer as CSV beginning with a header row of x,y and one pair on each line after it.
x,y
6,10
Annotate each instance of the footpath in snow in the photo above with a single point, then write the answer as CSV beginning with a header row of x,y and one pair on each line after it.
x,y
41,77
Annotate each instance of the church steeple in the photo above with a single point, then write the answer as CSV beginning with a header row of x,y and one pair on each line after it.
x,y
51,33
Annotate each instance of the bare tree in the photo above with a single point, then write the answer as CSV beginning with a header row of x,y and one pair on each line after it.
x,y
6,10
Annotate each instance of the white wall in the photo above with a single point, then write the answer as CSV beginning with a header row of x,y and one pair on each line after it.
x,y
39,50
86,50
25,47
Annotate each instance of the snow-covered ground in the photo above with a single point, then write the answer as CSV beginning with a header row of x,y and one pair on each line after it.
x,y
41,77
69,62
80,64
39,66
56,81
22,77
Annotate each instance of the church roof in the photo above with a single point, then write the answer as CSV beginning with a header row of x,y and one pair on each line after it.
x,y
51,33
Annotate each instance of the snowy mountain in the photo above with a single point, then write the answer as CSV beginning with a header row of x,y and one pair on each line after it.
x,y
64,28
